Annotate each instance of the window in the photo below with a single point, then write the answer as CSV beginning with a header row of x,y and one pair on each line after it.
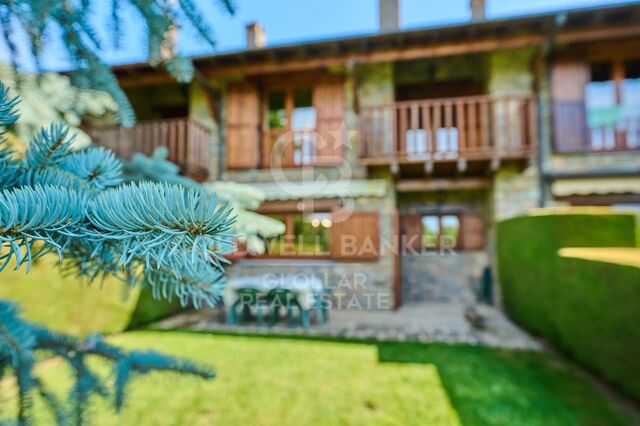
x,y
306,234
303,123
440,231
612,99
600,97
291,120
276,111
631,102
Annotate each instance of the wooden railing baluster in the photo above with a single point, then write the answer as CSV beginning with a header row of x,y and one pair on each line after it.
x,y
461,125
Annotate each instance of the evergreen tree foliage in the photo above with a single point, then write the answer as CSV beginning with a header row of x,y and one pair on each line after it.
x,y
39,19
49,98
75,204
250,228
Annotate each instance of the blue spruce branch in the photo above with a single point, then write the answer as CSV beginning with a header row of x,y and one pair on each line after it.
x,y
80,37
76,204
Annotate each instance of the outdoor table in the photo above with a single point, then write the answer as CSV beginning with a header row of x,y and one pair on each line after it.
x,y
304,288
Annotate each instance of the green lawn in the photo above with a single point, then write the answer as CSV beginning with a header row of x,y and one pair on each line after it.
x,y
279,381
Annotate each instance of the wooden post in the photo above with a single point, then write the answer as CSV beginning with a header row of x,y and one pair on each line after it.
x,y
397,247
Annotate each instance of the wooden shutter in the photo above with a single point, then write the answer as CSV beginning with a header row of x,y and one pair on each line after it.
x,y
357,237
568,81
242,126
411,231
472,231
328,99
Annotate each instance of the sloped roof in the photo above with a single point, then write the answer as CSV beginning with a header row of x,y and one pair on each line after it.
x,y
509,29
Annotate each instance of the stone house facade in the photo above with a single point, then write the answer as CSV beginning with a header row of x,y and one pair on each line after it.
x,y
391,156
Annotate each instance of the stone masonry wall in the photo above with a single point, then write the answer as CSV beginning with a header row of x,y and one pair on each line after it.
x,y
442,278
201,113
515,192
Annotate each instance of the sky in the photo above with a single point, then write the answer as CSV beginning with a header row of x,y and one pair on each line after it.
x,y
288,21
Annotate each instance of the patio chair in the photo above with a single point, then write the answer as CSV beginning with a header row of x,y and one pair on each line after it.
x,y
247,298
321,305
278,298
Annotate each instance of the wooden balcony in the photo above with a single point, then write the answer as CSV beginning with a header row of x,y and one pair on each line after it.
x,y
462,130
187,142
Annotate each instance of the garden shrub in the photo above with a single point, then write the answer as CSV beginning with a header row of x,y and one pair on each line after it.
x,y
588,309
149,310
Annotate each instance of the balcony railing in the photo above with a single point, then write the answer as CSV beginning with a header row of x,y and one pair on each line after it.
x,y
289,148
187,142
470,128
605,131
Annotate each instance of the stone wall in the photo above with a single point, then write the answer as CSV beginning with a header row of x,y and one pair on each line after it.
x,y
515,192
511,72
442,278
200,112
375,83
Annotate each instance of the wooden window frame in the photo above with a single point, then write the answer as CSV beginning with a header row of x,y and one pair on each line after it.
x,y
465,242
289,209
438,246
571,134
266,134
617,76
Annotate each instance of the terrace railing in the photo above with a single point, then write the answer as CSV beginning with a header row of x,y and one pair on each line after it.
x,y
471,128
186,140
608,130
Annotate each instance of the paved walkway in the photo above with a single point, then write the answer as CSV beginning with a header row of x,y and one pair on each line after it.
x,y
446,323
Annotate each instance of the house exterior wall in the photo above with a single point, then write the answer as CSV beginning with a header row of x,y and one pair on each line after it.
x,y
443,276
511,72
593,162
354,284
514,190
575,164
200,111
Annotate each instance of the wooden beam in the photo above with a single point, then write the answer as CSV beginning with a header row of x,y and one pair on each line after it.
x,y
151,78
397,246
598,34
433,185
292,206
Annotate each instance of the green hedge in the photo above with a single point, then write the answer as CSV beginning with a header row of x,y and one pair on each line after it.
x,y
149,310
589,309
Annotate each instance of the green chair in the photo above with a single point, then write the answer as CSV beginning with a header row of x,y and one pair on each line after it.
x,y
247,298
278,298
321,304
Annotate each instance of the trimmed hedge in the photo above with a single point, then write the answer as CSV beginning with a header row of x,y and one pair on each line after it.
x,y
149,310
589,309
